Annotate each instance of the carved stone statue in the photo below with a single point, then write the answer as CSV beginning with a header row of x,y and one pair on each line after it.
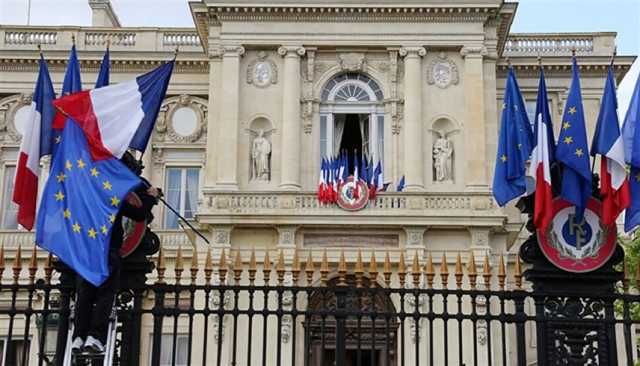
x,y
442,153
260,157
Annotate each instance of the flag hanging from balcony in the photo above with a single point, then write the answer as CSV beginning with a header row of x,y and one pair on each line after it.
x,y
32,147
631,137
103,74
572,150
607,142
72,84
119,116
541,158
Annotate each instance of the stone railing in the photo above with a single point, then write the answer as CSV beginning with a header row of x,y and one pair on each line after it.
x,y
14,238
560,44
222,207
90,39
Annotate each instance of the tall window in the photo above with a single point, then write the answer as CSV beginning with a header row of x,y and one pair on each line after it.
x,y
17,347
166,350
182,186
9,209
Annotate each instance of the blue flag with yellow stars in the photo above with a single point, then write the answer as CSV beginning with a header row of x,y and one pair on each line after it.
x,y
573,151
79,205
514,146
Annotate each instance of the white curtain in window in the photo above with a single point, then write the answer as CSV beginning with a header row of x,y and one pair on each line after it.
x,y
9,209
173,196
338,132
191,196
364,133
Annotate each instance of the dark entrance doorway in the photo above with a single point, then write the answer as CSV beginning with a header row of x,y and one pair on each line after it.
x,y
351,140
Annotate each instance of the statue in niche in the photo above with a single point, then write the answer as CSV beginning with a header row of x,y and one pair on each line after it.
x,y
260,156
442,154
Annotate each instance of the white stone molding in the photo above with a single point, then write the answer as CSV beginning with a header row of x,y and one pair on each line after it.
x,y
352,61
475,51
165,124
233,51
442,72
291,51
413,51
267,68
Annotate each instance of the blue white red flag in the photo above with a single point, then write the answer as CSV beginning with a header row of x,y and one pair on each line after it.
x,y
607,141
541,158
118,116
37,130
103,74
72,84
400,186
631,137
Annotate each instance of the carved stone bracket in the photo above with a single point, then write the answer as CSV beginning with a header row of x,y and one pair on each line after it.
x,y
476,51
291,51
222,236
413,52
352,61
415,236
287,236
479,238
233,50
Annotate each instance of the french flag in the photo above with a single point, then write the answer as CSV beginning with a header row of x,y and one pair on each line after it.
x,y
541,158
37,131
607,141
119,116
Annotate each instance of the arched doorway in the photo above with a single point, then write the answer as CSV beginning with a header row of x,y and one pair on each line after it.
x,y
365,339
352,118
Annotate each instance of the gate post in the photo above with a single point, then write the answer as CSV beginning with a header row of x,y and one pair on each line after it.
x,y
573,311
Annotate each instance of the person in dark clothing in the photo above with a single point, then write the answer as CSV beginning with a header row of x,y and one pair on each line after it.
x,y
94,304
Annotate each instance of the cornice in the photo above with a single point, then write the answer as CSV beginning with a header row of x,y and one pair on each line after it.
x,y
59,65
564,70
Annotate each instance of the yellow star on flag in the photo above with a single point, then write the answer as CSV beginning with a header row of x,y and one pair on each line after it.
x,y
115,201
60,177
92,233
106,185
566,125
94,172
81,163
112,218
66,213
68,165
76,227
568,140
59,196
503,158
579,152
104,230
572,110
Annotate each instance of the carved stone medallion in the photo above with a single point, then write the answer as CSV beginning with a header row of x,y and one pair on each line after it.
x,y
352,61
262,72
442,72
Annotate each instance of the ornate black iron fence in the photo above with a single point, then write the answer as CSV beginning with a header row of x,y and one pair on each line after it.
x,y
245,312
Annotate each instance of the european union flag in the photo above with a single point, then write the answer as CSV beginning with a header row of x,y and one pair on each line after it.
x,y
79,205
573,151
71,84
514,146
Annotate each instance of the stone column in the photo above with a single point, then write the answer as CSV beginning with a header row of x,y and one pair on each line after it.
x,y
228,124
213,115
474,107
291,87
412,129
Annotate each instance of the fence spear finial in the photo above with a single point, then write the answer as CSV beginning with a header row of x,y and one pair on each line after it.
x,y
518,273
222,270
253,266
237,268
17,265
309,269
208,266
429,271
402,269
502,273
295,267
280,267
342,270
194,265
48,268
359,269
33,264
179,266
444,271
486,272
458,272
373,270
324,269
386,270
472,272
160,265
416,272
266,267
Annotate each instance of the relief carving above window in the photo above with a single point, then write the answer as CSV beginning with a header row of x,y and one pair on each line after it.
x,y
15,112
262,72
442,72
182,119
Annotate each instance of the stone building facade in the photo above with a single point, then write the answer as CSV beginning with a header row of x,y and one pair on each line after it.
x,y
262,90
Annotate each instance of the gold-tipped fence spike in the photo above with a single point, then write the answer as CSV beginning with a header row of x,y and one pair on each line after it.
x,y
309,269
359,269
253,266
179,267
386,270
472,272
429,271
17,265
444,271
280,267
295,267
266,267
486,272
324,269
342,270
48,268
237,268
194,265
33,265
458,273
160,268
415,270
208,266
373,270
222,270
625,276
502,273
518,273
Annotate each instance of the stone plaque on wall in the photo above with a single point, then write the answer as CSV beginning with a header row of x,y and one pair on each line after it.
x,y
364,240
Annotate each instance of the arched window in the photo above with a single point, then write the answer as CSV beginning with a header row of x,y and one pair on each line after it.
x,y
352,118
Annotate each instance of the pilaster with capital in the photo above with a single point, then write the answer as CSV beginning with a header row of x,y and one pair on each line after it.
x,y
474,106
214,127
413,157
291,115
227,139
